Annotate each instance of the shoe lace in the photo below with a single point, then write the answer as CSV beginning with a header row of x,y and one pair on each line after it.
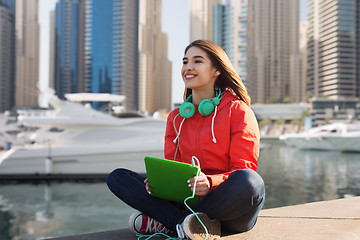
x,y
154,226
156,229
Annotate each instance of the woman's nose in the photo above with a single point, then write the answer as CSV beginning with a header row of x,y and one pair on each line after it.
x,y
189,66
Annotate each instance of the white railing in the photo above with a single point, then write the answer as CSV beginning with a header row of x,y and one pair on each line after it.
x,y
36,113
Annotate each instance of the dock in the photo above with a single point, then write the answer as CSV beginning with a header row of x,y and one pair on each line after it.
x,y
334,219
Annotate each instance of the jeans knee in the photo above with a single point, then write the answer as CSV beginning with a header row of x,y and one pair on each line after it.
x,y
115,177
250,181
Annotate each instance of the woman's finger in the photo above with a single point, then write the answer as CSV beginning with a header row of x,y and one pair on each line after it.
x,y
147,186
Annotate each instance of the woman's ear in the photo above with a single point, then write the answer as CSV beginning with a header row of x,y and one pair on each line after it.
x,y
217,73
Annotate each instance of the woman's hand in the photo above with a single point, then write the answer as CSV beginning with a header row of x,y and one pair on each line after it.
x,y
147,186
202,185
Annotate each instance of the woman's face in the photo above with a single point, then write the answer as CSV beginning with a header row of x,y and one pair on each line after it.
x,y
197,70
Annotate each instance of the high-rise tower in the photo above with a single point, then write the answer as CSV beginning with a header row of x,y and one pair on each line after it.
x,y
27,32
333,58
223,27
333,48
68,32
201,19
274,60
230,32
111,48
7,57
154,66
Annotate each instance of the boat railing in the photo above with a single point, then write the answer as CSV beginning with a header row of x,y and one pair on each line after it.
x,y
36,113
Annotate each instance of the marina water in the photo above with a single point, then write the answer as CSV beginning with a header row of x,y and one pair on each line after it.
x,y
37,210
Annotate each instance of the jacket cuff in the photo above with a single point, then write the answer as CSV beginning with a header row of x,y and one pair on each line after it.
x,y
215,180
210,181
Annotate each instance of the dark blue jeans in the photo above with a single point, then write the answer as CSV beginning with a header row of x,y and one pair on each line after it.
x,y
236,202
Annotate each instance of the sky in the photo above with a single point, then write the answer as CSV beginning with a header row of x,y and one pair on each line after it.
x,y
44,8
175,22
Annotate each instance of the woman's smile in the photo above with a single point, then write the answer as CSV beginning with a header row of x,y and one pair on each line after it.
x,y
189,76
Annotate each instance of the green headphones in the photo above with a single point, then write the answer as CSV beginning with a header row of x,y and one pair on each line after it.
x,y
206,106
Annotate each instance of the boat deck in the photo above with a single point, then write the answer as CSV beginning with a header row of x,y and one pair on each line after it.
x,y
335,219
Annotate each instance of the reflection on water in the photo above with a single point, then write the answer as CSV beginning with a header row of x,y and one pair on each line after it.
x,y
37,210
295,176
34,211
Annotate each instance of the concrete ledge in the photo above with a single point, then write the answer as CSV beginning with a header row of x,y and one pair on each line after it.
x,y
54,176
336,219
106,235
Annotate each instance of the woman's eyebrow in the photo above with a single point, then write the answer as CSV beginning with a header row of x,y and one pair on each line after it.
x,y
198,56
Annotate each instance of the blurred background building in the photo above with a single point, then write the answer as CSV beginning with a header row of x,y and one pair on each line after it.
x,y
283,60
273,51
201,19
19,48
67,36
230,32
27,40
154,66
112,47
333,67
96,48
7,53
261,39
118,47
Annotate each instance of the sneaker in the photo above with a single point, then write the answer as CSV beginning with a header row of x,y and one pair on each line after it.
x,y
142,224
180,232
195,231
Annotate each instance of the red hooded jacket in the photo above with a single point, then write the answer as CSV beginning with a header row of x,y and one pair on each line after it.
x,y
237,139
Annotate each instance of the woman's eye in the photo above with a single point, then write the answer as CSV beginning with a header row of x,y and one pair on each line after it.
x,y
197,61
185,62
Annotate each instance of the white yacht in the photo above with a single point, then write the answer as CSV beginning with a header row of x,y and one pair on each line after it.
x,y
9,129
74,140
348,141
317,138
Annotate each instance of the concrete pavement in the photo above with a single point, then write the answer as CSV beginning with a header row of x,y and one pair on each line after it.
x,y
330,220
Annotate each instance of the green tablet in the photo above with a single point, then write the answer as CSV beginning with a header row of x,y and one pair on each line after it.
x,y
168,179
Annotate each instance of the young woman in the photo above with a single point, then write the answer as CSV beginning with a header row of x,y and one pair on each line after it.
x,y
215,124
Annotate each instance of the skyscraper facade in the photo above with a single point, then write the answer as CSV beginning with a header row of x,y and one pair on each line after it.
x,y
333,59
303,51
7,57
68,52
230,32
201,19
27,53
333,48
111,49
240,38
357,30
273,65
154,66
52,51
223,27
9,4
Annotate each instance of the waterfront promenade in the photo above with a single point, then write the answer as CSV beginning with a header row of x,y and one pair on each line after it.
x,y
273,131
330,220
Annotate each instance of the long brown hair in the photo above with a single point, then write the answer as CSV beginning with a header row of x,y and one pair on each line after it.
x,y
228,77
